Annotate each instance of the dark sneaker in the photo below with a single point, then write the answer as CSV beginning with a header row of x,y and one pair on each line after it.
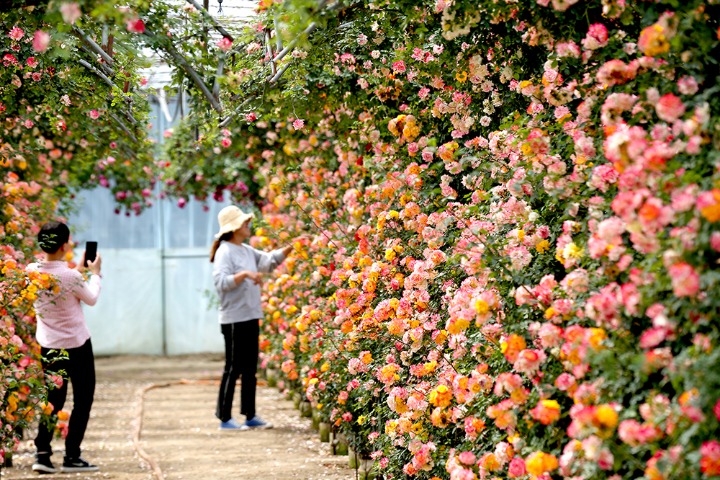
x,y
78,465
232,424
257,422
43,464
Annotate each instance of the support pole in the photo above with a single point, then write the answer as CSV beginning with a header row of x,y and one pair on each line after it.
x,y
94,46
194,76
214,22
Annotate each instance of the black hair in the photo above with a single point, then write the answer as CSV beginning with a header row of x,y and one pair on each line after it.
x,y
52,236
216,244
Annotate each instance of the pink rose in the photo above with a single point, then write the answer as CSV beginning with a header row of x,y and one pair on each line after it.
x,y
687,85
708,203
615,72
224,44
568,49
516,469
16,33
670,107
70,12
715,241
565,382
596,37
468,458
41,41
653,337
716,410
135,25
685,280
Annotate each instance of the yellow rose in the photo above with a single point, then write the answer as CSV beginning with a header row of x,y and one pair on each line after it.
x,y
606,416
542,246
481,306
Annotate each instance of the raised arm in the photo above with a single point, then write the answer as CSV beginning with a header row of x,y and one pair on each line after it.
x,y
269,261
88,292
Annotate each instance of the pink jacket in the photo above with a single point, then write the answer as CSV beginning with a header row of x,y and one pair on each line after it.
x,y
60,319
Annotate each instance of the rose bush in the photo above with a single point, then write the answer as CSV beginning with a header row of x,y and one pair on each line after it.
x,y
67,121
515,207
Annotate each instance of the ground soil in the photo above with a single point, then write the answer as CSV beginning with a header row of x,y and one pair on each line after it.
x,y
153,419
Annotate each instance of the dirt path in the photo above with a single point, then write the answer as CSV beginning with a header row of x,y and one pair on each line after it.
x,y
178,437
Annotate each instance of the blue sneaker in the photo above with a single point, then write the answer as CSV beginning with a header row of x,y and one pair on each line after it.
x,y
232,424
258,423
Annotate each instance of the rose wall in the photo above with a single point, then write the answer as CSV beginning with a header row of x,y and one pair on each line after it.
x,y
514,209
62,128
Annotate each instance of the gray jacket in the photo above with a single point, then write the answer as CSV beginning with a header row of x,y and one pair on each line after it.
x,y
240,303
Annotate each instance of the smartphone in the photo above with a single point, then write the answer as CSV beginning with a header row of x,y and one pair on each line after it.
x,y
90,252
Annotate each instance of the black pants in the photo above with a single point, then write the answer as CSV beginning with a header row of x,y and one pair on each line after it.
x,y
241,359
79,368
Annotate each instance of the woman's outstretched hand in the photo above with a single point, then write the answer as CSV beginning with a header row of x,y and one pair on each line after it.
x,y
298,245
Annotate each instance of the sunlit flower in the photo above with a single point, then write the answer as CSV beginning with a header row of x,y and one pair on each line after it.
x,y
653,41
539,463
709,204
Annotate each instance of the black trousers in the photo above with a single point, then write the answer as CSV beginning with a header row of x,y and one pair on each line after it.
x,y
79,368
241,359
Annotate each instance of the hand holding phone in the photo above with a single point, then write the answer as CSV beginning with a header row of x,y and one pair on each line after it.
x,y
90,252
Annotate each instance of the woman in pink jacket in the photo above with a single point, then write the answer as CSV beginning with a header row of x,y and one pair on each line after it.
x,y
65,344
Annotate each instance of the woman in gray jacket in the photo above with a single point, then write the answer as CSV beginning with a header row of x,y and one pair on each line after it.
x,y
237,273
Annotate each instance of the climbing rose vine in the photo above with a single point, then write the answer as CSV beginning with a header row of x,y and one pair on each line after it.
x,y
515,211
67,122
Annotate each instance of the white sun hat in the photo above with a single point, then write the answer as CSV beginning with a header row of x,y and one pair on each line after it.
x,y
232,218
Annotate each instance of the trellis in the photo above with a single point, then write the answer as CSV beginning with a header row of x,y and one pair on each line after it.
x,y
105,67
